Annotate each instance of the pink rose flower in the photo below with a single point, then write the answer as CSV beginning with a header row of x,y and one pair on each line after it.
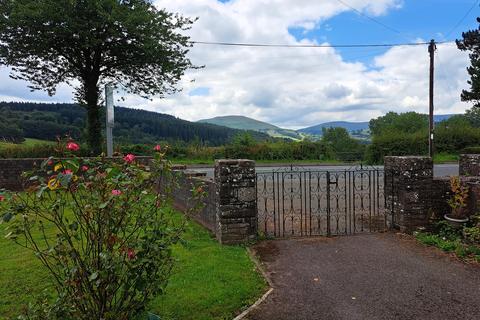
x,y
116,192
84,168
68,171
131,253
129,158
72,146
157,148
2,198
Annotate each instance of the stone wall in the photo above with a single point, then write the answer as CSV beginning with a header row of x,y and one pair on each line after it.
x,y
230,206
12,169
469,165
408,185
416,199
236,208
185,182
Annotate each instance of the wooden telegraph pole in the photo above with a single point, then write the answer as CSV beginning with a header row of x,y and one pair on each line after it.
x,y
431,49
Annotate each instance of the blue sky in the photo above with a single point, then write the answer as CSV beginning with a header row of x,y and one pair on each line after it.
x,y
416,19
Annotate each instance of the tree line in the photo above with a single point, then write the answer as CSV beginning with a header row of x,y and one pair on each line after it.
x,y
20,120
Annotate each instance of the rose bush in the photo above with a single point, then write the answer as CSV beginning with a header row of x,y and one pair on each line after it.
x,y
110,250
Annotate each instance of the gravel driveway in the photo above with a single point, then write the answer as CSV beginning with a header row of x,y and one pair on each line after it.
x,y
379,276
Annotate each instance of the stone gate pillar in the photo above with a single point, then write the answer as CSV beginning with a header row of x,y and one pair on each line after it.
x,y
408,187
236,207
469,165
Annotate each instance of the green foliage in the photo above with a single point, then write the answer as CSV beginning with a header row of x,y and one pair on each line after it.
x,y
396,144
455,135
47,121
470,43
94,42
408,122
407,134
343,145
472,234
199,288
465,243
278,150
459,198
110,251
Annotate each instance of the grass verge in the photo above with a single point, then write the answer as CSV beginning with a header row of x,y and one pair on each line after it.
x,y
462,250
210,281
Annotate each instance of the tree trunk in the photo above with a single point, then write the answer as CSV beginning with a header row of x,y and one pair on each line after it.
x,y
94,126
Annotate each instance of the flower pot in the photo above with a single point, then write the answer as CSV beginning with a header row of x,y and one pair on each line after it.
x,y
456,223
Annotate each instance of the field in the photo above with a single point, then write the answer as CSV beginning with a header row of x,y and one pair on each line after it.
x,y
27,143
210,281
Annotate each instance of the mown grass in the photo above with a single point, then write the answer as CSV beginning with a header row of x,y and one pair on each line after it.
x,y
445,158
210,281
27,143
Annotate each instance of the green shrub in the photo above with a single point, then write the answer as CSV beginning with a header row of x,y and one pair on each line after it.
x,y
393,143
111,249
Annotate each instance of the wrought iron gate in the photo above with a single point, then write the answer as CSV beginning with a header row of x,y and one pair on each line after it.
x,y
296,201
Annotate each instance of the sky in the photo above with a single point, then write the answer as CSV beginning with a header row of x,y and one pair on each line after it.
x,y
300,87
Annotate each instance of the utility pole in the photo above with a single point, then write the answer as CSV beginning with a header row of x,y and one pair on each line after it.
x,y
110,119
431,49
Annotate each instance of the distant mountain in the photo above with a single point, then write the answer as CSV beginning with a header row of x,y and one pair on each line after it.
x,y
355,127
46,121
350,126
246,123
441,117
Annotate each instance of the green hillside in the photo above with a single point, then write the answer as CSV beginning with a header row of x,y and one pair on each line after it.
x,y
245,123
19,121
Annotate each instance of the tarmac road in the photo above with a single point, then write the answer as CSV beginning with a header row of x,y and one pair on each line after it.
x,y
365,277
440,170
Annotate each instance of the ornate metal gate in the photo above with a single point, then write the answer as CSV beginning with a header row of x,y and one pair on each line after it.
x,y
296,201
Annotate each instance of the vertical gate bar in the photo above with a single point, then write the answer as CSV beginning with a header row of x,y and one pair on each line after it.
x,y
274,205
350,202
354,203
307,201
265,204
283,204
319,205
328,204
362,206
292,208
302,195
369,200
375,200
256,194
377,190
310,201
345,208
393,201
279,202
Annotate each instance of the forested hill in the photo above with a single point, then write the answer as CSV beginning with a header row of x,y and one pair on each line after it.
x,y
46,121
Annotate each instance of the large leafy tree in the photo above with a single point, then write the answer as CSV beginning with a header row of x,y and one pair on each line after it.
x,y
471,42
90,43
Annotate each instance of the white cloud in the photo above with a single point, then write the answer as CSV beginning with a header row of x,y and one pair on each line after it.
x,y
294,87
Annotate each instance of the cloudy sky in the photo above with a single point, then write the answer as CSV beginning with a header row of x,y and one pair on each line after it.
x,y
298,87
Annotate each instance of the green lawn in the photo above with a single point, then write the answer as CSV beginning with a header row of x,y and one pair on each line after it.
x,y
210,281
445,158
27,143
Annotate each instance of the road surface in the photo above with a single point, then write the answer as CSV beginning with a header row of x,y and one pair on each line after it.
x,y
440,170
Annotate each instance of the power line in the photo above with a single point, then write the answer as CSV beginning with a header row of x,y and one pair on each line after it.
x,y
371,19
263,45
462,19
